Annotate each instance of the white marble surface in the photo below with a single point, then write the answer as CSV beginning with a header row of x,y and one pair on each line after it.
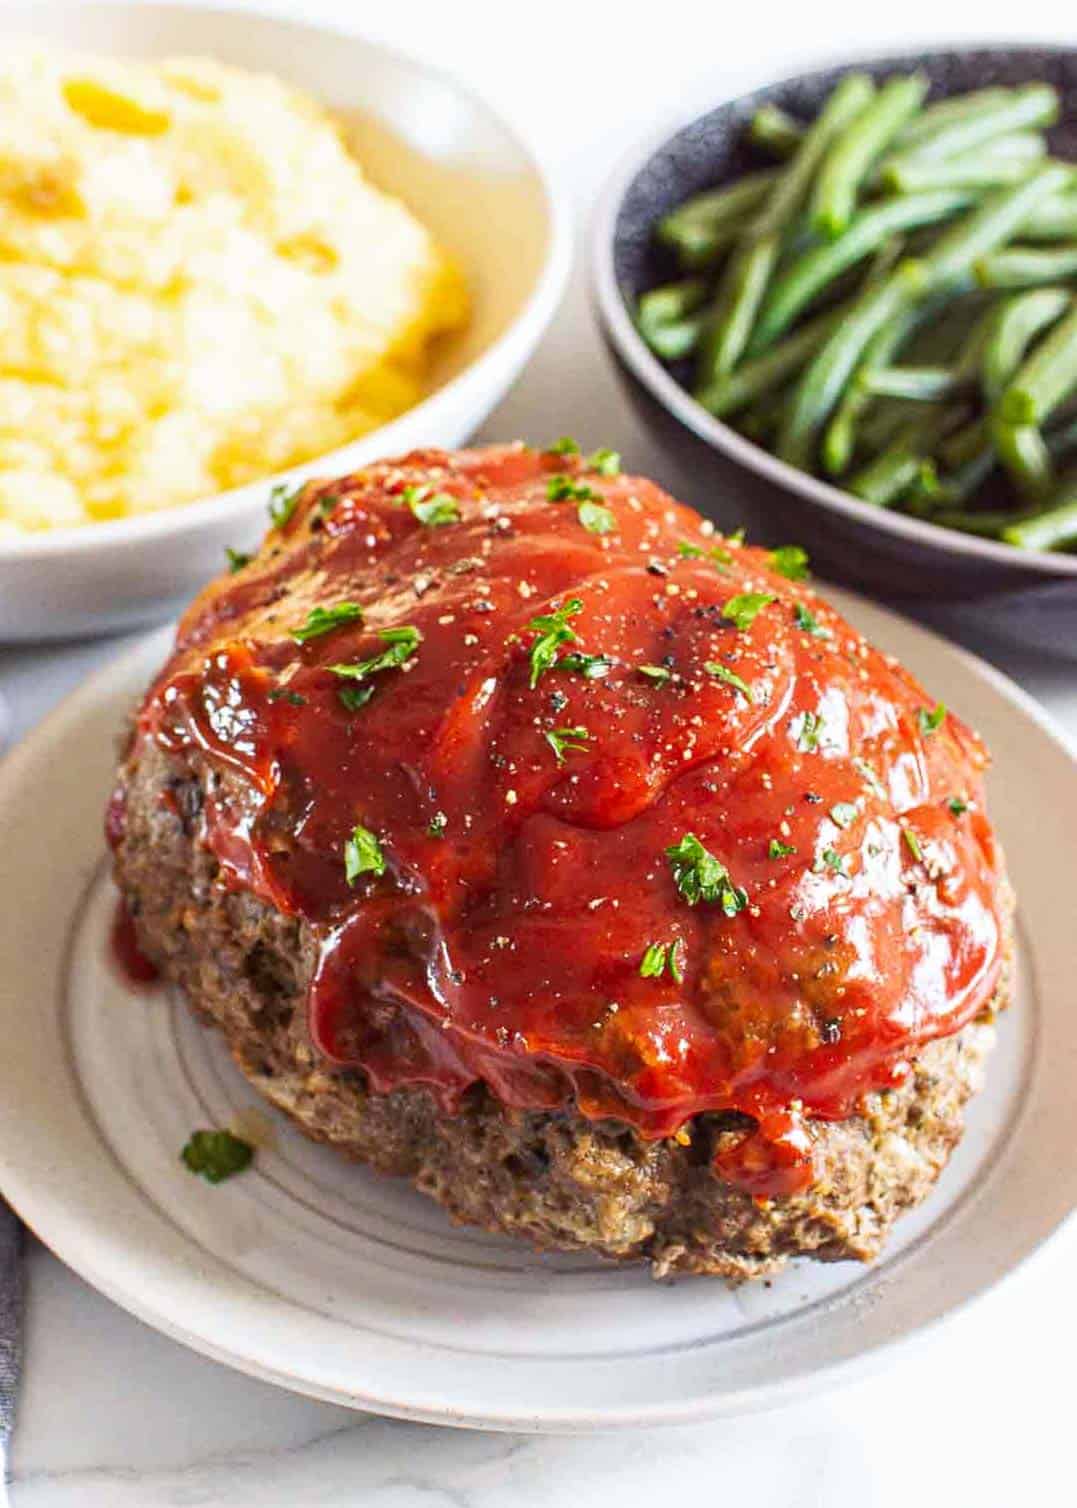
x,y
114,1415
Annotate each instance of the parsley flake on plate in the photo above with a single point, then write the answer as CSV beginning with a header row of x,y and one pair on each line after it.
x,y
354,697
283,501
216,1155
811,725
565,489
362,854
723,673
606,462
435,828
401,643
780,850
322,620
805,619
591,667
958,805
237,559
565,446
553,630
658,957
560,739
431,508
830,859
596,518
790,561
931,721
699,876
743,609
660,673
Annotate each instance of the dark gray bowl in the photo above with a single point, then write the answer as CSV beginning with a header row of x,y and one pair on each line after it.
x,y
1028,596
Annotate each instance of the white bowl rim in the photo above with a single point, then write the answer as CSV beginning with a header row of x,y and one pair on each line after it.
x,y
613,314
539,306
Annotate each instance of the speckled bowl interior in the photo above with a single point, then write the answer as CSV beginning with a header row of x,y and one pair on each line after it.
x,y
710,151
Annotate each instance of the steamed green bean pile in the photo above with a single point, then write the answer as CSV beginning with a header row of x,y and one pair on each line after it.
x,y
891,304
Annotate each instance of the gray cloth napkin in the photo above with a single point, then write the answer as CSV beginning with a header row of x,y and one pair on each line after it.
x,y
10,1321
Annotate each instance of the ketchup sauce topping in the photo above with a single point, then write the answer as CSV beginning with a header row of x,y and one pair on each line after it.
x,y
586,802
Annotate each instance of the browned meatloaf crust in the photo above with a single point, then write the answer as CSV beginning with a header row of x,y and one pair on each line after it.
x,y
554,1179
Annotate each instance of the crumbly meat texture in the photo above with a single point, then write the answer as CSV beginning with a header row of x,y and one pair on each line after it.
x,y
555,1179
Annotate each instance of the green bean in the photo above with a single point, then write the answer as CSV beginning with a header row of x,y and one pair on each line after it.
x,y
959,249
967,479
703,226
1020,319
883,481
1055,220
924,384
817,267
748,273
821,385
1055,528
773,129
989,523
851,155
839,442
678,339
936,117
671,301
1026,267
1031,105
1007,160
737,389
1024,454
1046,377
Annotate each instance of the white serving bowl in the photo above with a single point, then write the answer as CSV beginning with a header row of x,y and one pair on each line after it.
x,y
422,136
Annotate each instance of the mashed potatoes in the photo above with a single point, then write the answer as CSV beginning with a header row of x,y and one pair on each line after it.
x,y
198,287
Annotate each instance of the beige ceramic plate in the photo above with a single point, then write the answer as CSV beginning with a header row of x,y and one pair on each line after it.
x,y
325,1278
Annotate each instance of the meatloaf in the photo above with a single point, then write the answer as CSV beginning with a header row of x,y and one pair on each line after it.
x,y
527,839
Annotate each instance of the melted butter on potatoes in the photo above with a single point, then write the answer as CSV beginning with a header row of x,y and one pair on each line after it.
x,y
198,287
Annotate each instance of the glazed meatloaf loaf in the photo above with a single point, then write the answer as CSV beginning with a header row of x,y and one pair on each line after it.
x,y
527,839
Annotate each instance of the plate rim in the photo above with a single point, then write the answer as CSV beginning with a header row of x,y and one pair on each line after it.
x,y
59,1227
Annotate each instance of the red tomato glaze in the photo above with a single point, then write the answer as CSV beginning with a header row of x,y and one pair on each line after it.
x,y
524,882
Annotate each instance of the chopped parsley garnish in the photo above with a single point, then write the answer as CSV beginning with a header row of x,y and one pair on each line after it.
x,y
870,777
699,876
780,850
743,609
596,518
565,489
285,694
738,536
831,859
958,805
591,667
553,630
931,722
811,725
401,643
718,557
435,828
362,854
560,739
565,446
431,508
605,462
805,619
354,697
283,501
722,672
843,813
790,561
237,560
912,842
656,672
216,1155
659,957
322,620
